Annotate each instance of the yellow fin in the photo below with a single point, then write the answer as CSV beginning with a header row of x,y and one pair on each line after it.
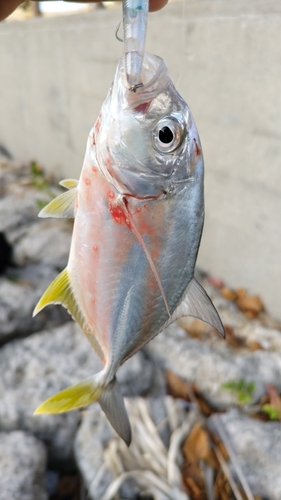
x,y
62,206
60,292
78,395
69,183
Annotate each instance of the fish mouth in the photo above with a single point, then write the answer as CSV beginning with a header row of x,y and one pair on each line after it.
x,y
153,76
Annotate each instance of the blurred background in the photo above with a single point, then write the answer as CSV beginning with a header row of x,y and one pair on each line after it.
x,y
225,60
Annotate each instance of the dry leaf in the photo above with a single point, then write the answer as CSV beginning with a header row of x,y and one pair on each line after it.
x,y
197,445
274,398
176,387
263,417
222,490
194,327
194,482
241,292
204,406
228,294
233,339
252,305
253,345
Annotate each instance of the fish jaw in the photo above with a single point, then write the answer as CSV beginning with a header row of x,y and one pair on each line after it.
x,y
127,136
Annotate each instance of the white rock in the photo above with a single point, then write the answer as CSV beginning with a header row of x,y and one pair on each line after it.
x,y
37,367
257,447
212,363
22,467
92,438
17,301
46,241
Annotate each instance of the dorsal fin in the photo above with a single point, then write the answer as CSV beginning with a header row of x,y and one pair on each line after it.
x,y
62,206
197,303
69,183
60,292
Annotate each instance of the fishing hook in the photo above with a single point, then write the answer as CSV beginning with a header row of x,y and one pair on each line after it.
x,y
135,14
116,33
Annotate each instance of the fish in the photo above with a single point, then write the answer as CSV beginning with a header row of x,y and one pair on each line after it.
x,y
138,210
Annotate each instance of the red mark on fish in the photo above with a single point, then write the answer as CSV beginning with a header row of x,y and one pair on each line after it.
x,y
118,214
142,108
197,149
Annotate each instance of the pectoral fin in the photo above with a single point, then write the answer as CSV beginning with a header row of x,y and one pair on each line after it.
x,y
197,303
62,206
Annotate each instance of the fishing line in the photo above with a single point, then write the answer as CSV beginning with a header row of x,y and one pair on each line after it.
x,y
116,33
183,41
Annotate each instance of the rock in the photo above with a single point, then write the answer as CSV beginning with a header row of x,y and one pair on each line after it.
x,y
17,206
263,329
19,294
212,363
33,240
35,368
46,241
39,366
105,461
257,447
139,376
22,467
92,438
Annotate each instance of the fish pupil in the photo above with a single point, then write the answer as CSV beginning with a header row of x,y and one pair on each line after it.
x,y
166,135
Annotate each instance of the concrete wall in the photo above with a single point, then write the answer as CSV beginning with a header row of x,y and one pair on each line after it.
x,y
225,59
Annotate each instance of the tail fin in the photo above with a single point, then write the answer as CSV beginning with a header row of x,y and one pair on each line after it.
x,y
86,392
112,403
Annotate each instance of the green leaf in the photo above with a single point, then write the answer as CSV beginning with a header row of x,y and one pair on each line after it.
x,y
271,411
241,389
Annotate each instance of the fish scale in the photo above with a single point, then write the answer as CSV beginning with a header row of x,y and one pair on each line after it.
x,y
139,213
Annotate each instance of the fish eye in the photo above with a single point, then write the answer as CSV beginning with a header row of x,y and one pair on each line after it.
x,y
168,134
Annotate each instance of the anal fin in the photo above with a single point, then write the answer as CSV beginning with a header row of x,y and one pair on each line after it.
x,y
60,292
197,303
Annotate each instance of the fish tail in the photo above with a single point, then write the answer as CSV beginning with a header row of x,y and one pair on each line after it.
x,y
88,391
112,403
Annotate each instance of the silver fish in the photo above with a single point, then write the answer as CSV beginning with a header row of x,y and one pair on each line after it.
x,y
139,212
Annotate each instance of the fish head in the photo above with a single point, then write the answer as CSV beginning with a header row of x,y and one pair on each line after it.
x,y
147,144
